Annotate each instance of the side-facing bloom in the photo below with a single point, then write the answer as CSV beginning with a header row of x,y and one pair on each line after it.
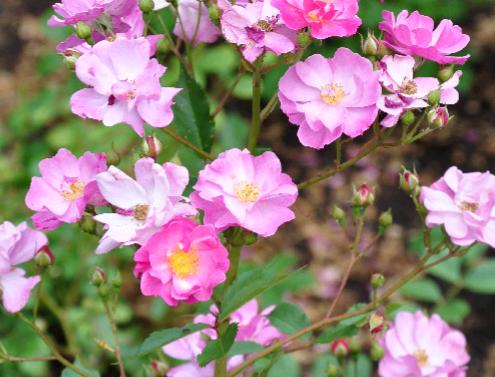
x,y
143,205
256,27
330,97
337,18
464,203
18,244
416,345
414,34
187,26
183,261
238,189
124,85
66,186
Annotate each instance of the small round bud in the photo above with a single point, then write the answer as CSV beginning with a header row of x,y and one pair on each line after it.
x,y
333,371
340,348
160,368
104,291
44,257
376,323
338,214
152,146
363,196
369,46
438,117
385,220
162,46
376,352
382,50
303,39
116,280
113,158
88,224
146,6
377,281
445,73
70,59
407,118
409,182
83,30
214,14
98,277
434,97
250,238
354,346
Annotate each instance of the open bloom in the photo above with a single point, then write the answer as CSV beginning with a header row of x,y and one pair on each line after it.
x,y
124,85
238,189
414,34
337,18
187,26
464,203
183,261
18,244
330,97
144,204
66,186
416,345
257,28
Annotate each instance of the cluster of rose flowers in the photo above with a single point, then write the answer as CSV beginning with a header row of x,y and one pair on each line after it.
x,y
182,260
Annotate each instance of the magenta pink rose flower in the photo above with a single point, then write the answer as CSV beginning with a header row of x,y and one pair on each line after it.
x,y
330,97
337,18
256,27
185,27
414,34
143,205
238,189
464,203
18,244
124,85
183,261
66,186
416,345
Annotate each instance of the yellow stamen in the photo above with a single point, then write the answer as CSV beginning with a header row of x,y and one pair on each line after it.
x,y
409,87
421,357
184,263
75,191
141,212
247,192
332,94
467,206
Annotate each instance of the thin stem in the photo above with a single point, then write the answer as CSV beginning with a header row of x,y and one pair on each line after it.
x,y
198,21
234,257
338,152
171,43
194,148
186,42
270,106
229,92
254,131
117,352
16,359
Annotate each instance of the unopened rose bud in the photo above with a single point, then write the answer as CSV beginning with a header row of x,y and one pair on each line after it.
x,y
354,346
438,117
333,371
340,348
303,39
162,46
434,97
369,46
116,280
377,281
376,352
160,368
214,14
70,59
88,224
382,50
44,257
409,182
338,214
152,146
384,221
376,323
407,118
98,277
83,30
103,291
249,238
146,6
112,157
363,196
445,73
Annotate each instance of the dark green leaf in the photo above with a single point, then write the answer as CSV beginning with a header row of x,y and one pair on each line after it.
x,y
337,332
243,348
285,366
159,338
288,318
423,290
218,348
481,279
454,311
360,367
70,373
321,364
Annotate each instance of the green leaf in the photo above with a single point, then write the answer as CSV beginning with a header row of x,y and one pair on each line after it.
x,y
449,270
337,332
288,318
160,338
192,113
285,366
70,373
216,349
360,367
454,311
243,348
423,290
321,364
481,279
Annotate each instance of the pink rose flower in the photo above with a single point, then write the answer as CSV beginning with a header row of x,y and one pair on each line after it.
x,y
256,28
18,244
183,261
238,189
205,31
330,97
464,203
66,186
416,345
124,85
337,18
144,204
414,34
448,92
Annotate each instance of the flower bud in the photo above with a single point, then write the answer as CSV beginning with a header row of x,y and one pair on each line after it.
x,y
162,46
434,97
409,182
104,291
338,214
340,348
354,346
214,14
376,322
160,368
44,257
363,196
88,224
112,157
249,238
445,73
146,6
303,39
384,221
369,46
382,50
152,146
438,117
407,118
70,59
83,30
377,281
116,280
376,352
98,277
333,371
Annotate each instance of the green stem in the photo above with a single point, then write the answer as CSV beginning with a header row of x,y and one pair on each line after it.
x,y
234,257
229,92
180,139
118,353
270,106
254,131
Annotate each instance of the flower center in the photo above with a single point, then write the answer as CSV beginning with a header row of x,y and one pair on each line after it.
x,y
421,357
332,93
264,25
247,192
408,87
74,192
314,15
183,263
468,206
141,212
